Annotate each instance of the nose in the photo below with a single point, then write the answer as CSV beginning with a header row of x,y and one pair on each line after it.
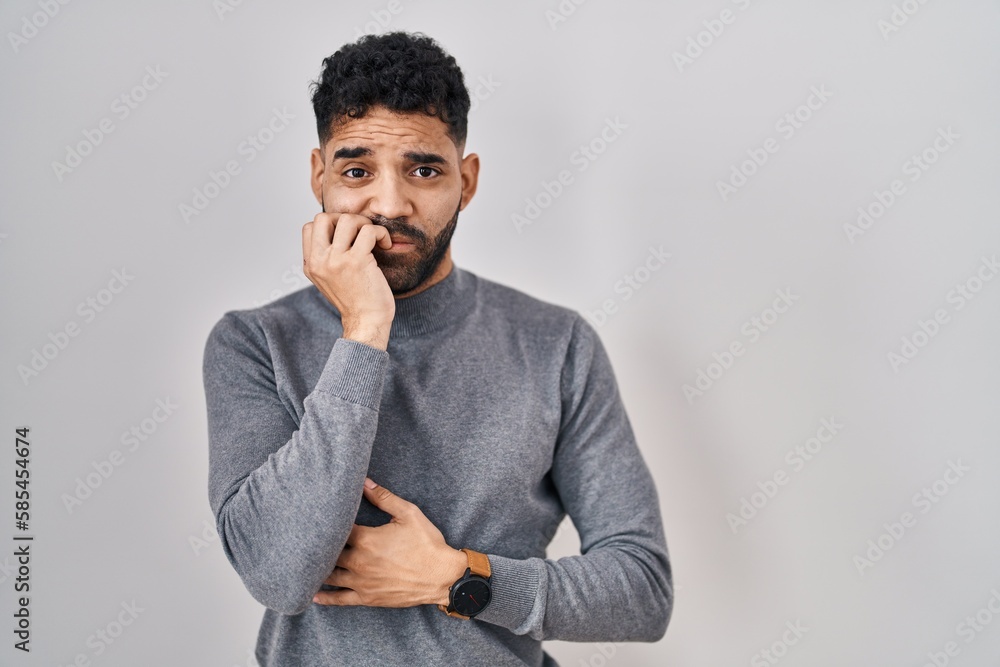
x,y
389,197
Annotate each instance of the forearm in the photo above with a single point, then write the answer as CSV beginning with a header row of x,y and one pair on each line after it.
x,y
619,591
285,525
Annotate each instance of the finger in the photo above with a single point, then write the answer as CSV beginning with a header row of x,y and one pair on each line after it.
x,y
343,597
347,559
384,240
341,577
368,236
306,242
346,230
356,534
387,501
322,227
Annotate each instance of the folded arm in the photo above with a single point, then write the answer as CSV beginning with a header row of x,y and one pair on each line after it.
x,y
285,495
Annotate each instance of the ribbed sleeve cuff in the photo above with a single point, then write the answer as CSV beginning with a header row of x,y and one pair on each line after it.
x,y
355,372
515,585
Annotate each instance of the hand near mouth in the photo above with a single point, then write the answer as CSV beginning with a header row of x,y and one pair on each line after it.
x,y
337,256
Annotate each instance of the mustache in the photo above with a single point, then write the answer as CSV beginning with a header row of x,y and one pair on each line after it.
x,y
399,228
396,227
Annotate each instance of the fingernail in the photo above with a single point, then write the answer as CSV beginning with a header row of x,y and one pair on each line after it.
x,y
370,484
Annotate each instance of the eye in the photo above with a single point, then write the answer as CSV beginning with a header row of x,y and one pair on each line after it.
x,y
350,172
425,175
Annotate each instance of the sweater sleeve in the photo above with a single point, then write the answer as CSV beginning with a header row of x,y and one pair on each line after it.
x,y
620,586
285,494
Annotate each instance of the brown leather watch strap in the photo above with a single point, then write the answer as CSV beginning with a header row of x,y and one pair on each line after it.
x,y
478,563
453,614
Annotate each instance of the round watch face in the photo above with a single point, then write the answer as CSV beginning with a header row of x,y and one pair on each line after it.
x,y
471,596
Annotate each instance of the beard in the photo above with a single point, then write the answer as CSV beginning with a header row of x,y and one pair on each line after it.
x,y
407,271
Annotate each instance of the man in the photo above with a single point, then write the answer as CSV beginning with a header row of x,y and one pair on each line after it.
x,y
393,447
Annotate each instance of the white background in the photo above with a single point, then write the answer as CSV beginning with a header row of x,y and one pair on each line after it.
x,y
555,85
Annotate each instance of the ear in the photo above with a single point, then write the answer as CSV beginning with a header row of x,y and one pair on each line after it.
x,y
318,165
470,178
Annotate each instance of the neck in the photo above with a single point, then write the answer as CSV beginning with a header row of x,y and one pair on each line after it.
x,y
438,304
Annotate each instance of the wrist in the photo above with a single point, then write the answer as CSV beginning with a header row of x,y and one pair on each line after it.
x,y
376,335
455,565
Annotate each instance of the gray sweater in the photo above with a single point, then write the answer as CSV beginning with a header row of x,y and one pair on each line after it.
x,y
494,412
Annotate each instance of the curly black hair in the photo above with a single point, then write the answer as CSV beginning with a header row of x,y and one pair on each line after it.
x,y
402,71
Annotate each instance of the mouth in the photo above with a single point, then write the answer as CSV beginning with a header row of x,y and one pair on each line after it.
x,y
399,244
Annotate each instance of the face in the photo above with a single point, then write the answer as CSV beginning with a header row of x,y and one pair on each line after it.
x,y
404,172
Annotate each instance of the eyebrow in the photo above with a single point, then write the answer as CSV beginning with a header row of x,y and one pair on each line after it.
x,y
350,153
426,158
413,156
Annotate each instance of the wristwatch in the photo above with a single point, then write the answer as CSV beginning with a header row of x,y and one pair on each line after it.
x,y
472,592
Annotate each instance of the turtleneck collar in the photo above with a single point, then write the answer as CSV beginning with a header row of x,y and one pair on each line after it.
x,y
433,309
437,307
